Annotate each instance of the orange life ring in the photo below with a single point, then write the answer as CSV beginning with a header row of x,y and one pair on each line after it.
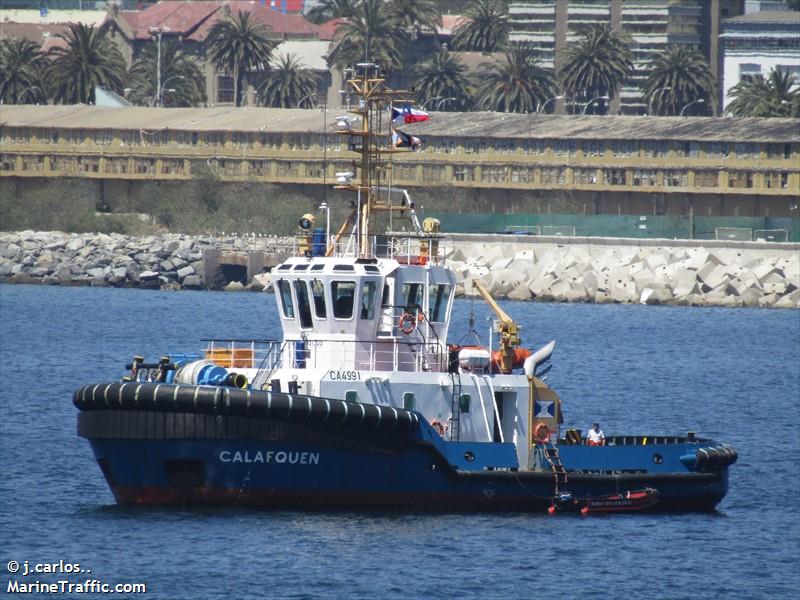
x,y
541,434
407,323
438,426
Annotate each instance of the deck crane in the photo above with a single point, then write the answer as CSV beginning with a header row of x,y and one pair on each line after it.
x,y
509,355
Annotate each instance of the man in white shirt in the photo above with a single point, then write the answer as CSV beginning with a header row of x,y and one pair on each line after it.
x,y
596,437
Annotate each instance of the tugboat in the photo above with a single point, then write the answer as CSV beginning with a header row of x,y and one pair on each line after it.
x,y
362,404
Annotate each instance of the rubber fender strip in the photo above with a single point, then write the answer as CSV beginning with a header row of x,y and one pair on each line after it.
x,y
161,397
327,410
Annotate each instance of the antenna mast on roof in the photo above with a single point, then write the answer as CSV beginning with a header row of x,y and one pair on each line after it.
x,y
371,141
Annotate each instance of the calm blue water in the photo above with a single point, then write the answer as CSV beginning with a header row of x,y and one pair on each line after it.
x,y
733,374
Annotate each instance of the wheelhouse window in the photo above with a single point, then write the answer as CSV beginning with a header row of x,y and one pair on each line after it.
x,y
303,305
343,294
368,291
411,297
318,294
286,299
386,300
438,296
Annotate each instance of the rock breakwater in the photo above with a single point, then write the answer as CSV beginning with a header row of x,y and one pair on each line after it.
x,y
615,271
167,261
574,270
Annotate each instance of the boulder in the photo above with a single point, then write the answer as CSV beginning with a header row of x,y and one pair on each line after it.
x,y
644,278
684,283
767,300
185,272
711,276
262,280
520,292
192,282
577,294
790,300
751,296
234,286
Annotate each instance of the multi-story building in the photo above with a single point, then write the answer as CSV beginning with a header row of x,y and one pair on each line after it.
x,y
602,165
550,26
758,42
191,23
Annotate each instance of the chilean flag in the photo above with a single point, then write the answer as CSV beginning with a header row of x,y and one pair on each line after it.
x,y
408,115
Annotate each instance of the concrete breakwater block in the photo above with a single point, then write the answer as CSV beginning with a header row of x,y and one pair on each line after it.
x,y
624,273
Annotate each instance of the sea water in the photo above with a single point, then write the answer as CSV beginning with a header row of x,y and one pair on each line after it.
x,y
730,374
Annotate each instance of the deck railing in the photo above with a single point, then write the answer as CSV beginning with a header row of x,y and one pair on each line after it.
x,y
267,356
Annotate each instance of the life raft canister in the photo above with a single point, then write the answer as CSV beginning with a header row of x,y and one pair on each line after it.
x,y
541,434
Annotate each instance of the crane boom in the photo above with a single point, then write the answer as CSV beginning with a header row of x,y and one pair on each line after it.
x,y
487,296
509,330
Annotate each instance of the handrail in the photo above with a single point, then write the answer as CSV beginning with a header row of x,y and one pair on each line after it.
x,y
390,354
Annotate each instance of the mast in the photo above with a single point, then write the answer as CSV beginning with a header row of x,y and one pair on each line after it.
x,y
368,82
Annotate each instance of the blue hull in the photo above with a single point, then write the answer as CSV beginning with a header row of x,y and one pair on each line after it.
x,y
405,474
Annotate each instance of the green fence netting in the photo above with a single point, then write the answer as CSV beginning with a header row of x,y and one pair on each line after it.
x,y
624,226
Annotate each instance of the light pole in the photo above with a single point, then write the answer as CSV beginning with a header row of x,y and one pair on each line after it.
x,y
700,101
653,97
304,98
592,101
157,32
163,88
443,101
21,95
546,102
429,100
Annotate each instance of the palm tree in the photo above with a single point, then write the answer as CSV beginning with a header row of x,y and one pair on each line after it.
x,y
444,76
21,65
326,10
237,46
89,60
597,65
370,34
484,28
677,76
772,96
518,84
414,15
287,84
182,81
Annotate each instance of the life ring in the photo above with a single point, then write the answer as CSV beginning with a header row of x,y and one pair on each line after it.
x,y
438,426
407,323
541,434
